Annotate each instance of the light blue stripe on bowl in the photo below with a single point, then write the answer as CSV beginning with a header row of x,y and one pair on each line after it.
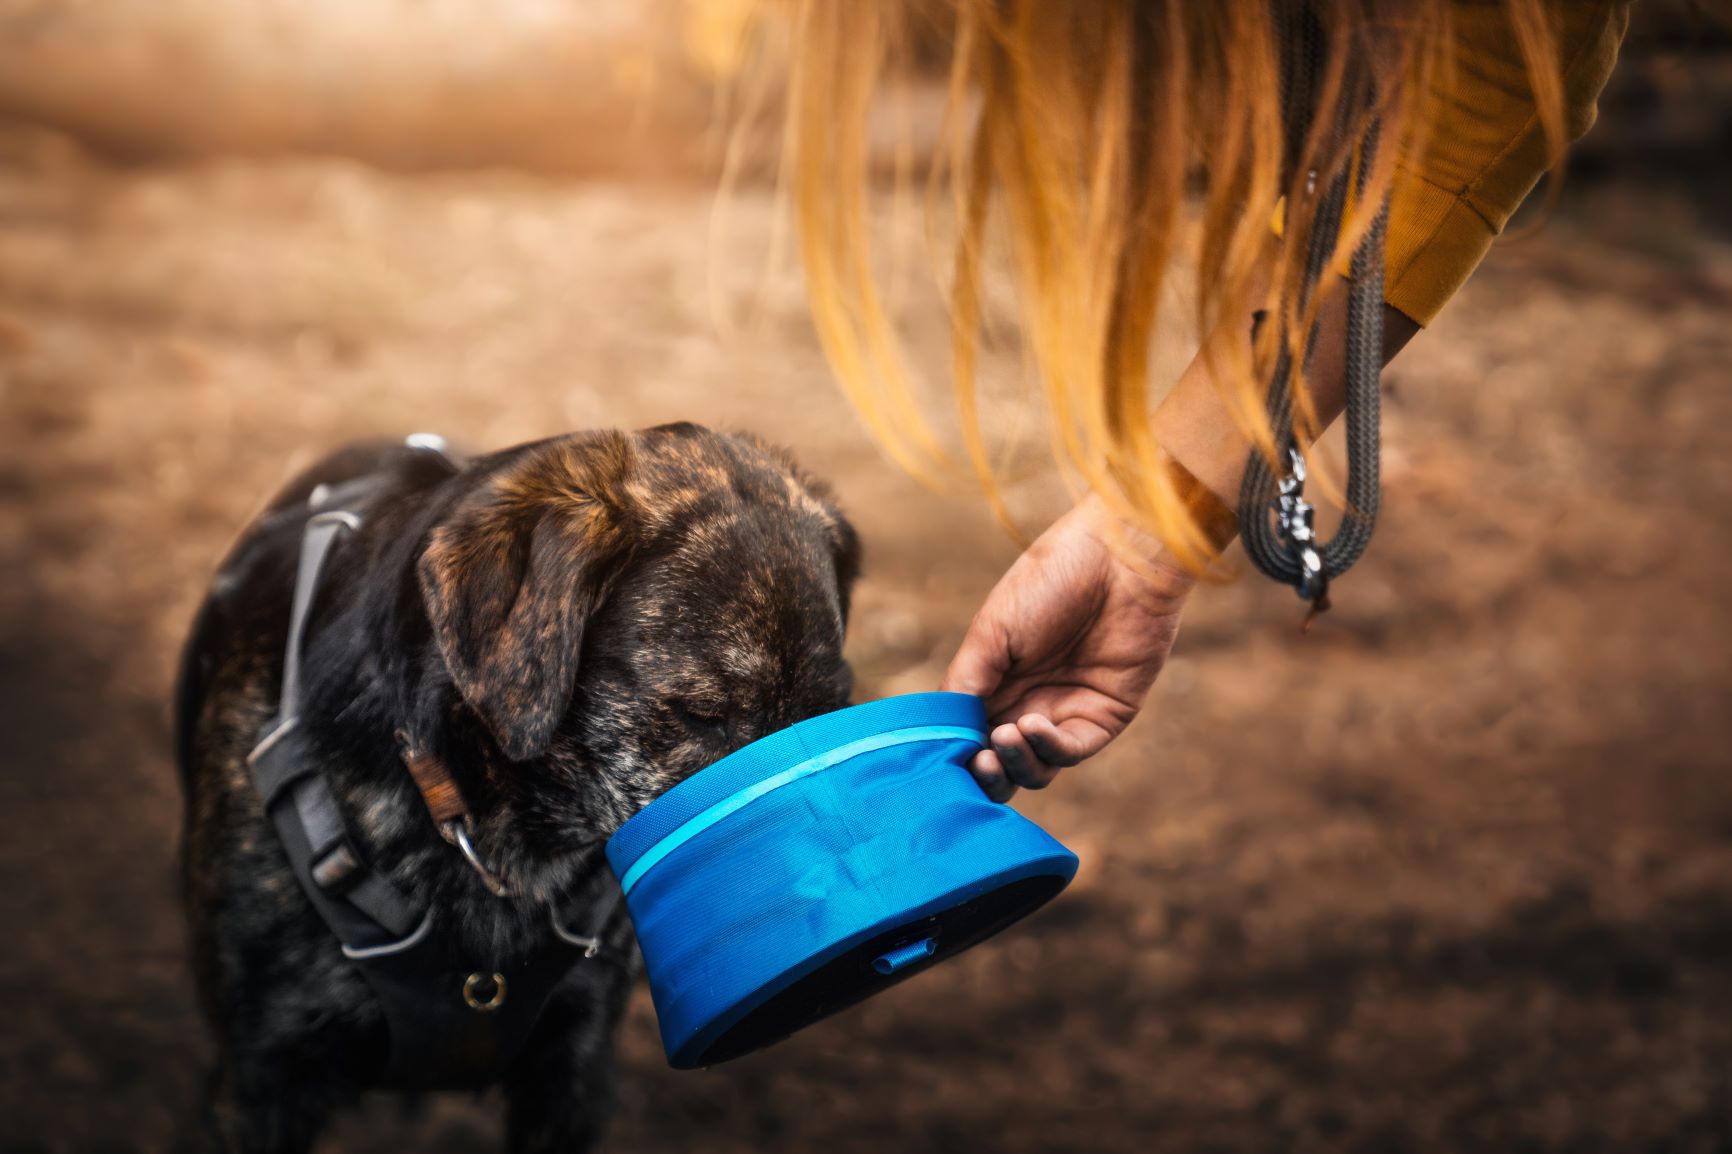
x,y
738,801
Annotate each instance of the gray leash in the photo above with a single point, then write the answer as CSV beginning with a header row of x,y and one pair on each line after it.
x,y
1274,516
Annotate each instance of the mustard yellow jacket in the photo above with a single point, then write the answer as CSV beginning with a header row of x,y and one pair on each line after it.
x,y
1486,148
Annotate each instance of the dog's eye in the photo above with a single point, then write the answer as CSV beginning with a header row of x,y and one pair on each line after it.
x,y
702,719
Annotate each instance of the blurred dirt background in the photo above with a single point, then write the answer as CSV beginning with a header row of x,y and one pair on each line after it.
x,y
1452,872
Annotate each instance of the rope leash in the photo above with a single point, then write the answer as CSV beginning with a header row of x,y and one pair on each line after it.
x,y
1275,518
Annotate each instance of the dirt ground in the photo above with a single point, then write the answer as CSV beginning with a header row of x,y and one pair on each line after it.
x,y
1452,872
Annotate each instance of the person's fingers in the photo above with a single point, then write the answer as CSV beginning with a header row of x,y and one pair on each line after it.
x,y
989,774
1062,746
1020,763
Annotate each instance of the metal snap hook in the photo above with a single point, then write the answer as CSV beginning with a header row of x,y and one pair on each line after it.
x,y
457,833
484,992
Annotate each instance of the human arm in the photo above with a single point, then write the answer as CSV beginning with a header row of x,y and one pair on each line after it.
x,y
1070,641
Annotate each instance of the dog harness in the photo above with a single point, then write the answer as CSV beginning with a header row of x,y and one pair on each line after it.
x,y
455,1020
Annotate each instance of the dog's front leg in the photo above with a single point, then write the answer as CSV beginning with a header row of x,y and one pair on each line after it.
x,y
559,1094
290,1050
249,1110
559,1101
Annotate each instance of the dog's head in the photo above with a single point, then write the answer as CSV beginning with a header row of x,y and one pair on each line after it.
x,y
616,611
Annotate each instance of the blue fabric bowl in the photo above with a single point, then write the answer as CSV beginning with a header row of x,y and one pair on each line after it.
x,y
822,864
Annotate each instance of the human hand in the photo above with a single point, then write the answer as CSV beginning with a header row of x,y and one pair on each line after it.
x,y
1067,646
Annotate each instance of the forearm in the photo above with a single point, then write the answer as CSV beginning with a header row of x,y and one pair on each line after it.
x,y
1072,637
1196,428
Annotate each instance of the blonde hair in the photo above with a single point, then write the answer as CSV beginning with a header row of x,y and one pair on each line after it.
x,y
1098,123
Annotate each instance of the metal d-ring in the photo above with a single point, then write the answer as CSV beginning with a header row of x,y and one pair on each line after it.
x,y
474,982
457,833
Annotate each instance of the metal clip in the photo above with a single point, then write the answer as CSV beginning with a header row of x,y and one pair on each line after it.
x,y
1295,525
457,833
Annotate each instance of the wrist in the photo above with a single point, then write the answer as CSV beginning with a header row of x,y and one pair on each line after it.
x,y
1136,551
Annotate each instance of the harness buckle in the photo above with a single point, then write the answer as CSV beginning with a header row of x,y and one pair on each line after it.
x,y
339,869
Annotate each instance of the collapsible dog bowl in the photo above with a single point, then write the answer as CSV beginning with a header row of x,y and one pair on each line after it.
x,y
820,865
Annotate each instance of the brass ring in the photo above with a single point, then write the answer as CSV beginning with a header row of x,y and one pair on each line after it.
x,y
490,1003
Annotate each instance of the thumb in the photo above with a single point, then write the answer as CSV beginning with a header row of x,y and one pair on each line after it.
x,y
980,662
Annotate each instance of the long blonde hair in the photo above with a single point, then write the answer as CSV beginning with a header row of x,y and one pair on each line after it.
x,y
1098,123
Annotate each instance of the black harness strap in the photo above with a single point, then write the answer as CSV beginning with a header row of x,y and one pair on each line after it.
x,y
453,1021
298,799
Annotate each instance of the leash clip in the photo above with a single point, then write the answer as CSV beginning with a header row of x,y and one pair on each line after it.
x,y
456,832
1296,530
446,806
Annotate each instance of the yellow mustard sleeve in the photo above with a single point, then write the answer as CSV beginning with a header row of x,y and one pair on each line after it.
x,y
1485,149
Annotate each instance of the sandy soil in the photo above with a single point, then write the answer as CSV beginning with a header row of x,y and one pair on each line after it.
x,y
1452,872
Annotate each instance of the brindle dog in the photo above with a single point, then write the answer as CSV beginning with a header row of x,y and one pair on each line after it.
x,y
574,626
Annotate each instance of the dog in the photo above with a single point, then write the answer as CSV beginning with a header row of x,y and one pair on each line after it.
x,y
564,630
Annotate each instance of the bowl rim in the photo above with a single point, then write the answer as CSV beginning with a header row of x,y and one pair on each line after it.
x,y
782,758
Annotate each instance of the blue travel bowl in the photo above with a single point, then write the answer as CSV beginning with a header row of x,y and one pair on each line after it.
x,y
819,865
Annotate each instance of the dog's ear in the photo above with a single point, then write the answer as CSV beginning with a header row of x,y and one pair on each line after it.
x,y
512,577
